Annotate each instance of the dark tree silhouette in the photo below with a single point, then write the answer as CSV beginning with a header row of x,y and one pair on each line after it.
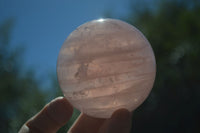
x,y
173,29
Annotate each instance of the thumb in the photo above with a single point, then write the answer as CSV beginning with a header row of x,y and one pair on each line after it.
x,y
120,122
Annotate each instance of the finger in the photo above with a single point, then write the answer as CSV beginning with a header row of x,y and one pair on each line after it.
x,y
53,116
86,124
120,122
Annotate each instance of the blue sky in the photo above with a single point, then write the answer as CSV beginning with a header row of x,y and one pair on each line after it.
x,y
43,25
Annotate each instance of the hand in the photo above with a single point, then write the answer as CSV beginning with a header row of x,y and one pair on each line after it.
x,y
58,112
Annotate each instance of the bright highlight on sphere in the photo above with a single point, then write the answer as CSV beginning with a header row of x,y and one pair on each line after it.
x,y
105,65
101,20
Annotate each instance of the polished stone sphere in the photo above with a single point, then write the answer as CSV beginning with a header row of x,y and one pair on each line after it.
x,y
105,65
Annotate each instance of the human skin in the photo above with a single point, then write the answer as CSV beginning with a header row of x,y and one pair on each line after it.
x,y
58,112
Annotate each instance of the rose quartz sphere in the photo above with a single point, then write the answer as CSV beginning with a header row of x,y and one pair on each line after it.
x,y
105,65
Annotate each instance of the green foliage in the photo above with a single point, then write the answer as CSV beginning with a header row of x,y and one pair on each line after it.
x,y
20,95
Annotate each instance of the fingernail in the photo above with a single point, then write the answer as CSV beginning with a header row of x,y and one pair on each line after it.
x,y
24,129
57,98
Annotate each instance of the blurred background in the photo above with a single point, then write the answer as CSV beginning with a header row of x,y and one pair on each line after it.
x,y
32,33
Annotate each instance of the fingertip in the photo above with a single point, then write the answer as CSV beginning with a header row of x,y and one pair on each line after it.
x,y
24,129
121,115
120,122
60,110
86,124
53,116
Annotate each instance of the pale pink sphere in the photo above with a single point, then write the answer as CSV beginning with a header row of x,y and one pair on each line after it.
x,y
105,65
